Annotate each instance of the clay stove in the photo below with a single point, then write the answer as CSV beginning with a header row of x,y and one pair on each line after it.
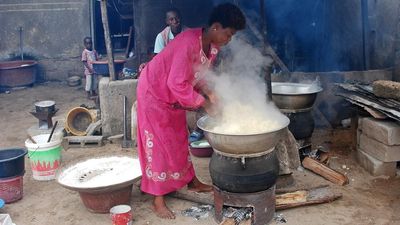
x,y
262,204
45,110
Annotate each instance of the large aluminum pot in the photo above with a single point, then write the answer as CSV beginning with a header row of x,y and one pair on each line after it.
x,y
241,144
294,95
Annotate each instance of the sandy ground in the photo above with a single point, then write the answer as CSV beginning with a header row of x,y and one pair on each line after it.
x,y
366,200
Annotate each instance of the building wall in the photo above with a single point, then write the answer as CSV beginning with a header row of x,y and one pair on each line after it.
x,y
383,17
52,33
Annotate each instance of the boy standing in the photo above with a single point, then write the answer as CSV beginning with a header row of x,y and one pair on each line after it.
x,y
88,56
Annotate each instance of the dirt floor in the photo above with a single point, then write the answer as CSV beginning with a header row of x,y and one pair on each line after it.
x,y
366,200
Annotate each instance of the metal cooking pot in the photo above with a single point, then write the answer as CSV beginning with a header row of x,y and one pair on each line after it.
x,y
244,174
47,106
301,124
240,144
294,95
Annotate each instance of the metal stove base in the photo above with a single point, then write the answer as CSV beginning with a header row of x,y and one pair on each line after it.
x,y
262,202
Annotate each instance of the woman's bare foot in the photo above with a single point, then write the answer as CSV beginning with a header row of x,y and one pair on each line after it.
x,y
197,186
161,209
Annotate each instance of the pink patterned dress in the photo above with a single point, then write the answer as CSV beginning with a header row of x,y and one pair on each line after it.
x,y
167,86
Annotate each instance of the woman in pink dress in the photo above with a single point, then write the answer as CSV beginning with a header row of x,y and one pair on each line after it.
x,y
170,84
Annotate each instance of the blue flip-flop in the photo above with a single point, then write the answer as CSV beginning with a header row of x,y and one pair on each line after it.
x,y
195,136
1,203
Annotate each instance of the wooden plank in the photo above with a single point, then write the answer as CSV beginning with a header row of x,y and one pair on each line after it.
x,y
375,113
110,54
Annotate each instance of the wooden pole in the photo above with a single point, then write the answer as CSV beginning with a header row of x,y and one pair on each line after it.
x,y
264,35
365,34
110,54
137,21
396,73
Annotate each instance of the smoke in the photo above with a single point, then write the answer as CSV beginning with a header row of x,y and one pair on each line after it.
x,y
241,91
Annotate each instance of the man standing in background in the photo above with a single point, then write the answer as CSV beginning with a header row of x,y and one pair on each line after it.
x,y
174,27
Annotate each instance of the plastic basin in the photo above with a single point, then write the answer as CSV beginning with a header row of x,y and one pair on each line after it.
x,y
12,162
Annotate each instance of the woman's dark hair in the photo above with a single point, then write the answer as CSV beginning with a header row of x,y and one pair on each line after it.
x,y
228,15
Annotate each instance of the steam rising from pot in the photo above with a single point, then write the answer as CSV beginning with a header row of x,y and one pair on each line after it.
x,y
241,91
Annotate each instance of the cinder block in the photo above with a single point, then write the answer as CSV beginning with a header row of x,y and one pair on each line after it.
x,y
375,166
387,132
111,104
359,132
379,150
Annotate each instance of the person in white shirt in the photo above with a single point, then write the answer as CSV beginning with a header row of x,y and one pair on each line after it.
x,y
174,27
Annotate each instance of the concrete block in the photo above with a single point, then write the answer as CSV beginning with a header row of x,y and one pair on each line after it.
x,y
379,150
111,104
387,132
360,122
375,166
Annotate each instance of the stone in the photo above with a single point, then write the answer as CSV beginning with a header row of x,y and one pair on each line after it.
x,y
385,131
386,89
288,153
379,150
374,166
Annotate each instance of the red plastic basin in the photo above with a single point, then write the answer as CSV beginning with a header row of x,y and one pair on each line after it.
x,y
11,189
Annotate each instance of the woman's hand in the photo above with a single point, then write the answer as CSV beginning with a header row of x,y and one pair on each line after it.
x,y
210,108
213,98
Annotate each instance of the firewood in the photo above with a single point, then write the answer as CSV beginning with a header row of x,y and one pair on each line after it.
x,y
293,197
305,197
246,222
314,195
228,221
325,171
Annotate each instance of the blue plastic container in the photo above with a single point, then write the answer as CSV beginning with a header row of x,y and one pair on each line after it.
x,y
101,67
12,162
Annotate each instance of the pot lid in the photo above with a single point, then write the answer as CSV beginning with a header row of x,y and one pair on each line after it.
x,y
294,88
44,104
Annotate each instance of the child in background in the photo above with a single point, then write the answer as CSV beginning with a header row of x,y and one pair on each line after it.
x,y
88,56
